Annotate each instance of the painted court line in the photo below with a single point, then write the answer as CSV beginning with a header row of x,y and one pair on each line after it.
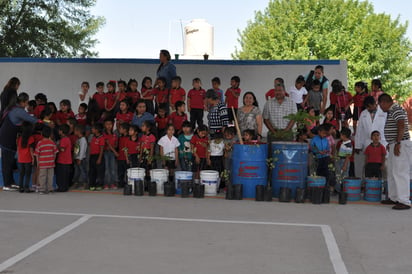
x,y
37,246
332,246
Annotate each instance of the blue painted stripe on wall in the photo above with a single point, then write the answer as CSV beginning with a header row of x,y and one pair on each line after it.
x,y
177,62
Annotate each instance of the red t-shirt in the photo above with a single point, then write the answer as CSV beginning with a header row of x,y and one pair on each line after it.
x,y
200,145
147,92
146,141
99,97
110,99
132,146
161,95
122,95
122,144
62,117
124,117
342,100
177,120
333,122
197,98
111,139
177,95
375,154
65,157
73,139
161,122
231,100
38,110
95,144
45,152
37,137
133,95
359,98
23,153
81,119
270,93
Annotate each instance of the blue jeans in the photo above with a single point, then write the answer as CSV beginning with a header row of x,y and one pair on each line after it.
x,y
110,168
80,172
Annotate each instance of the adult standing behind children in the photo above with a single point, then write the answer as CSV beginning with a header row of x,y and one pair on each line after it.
x,y
400,153
274,112
166,69
8,97
12,118
318,73
249,115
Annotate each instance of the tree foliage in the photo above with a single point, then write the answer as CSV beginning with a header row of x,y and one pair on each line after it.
x,y
37,28
375,45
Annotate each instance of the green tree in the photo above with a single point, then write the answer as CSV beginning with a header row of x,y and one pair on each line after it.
x,y
37,28
375,45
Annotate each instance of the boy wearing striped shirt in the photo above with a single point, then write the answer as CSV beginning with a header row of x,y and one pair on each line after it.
x,y
45,154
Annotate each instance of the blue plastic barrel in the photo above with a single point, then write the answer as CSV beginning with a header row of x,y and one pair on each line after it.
x,y
373,190
291,166
316,181
352,186
249,167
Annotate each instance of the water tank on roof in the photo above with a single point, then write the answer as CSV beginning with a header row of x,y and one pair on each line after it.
x,y
198,38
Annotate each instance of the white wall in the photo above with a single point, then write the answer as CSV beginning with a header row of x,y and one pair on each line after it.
x,y
61,78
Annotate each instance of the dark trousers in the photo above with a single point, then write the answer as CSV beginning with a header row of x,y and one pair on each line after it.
x,y
25,175
196,116
323,169
7,165
373,170
230,114
134,160
63,176
96,171
217,163
121,172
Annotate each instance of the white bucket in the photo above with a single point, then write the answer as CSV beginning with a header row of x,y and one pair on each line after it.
x,y
159,176
135,173
184,176
209,178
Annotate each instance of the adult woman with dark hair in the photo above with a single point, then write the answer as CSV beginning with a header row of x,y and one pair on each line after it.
x,y
249,115
218,117
13,117
166,69
9,95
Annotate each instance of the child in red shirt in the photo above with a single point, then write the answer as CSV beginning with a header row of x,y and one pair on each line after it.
x,y
132,94
177,93
340,101
111,97
100,96
196,103
200,145
110,154
232,96
41,101
81,116
375,157
361,90
73,137
161,93
147,142
330,119
96,162
178,117
122,155
121,93
161,120
25,149
271,93
147,94
64,160
124,115
65,112
133,147
45,154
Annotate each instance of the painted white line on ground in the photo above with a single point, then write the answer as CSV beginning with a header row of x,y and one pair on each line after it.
x,y
27,252
332,246
334,253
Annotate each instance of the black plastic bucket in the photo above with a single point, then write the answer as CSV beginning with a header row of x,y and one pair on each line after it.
x,y
300,195
343,198
285,194
127,190
169,189
185,188
260,193
152,189
198,191
138,188
237,192
317,194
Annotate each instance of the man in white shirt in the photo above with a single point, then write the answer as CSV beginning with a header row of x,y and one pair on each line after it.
x,y
370,119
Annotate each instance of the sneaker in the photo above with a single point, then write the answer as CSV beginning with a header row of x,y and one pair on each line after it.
x,y
7,188
43,192
92,188
400,206
113,186
15,186
99,188
106,187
